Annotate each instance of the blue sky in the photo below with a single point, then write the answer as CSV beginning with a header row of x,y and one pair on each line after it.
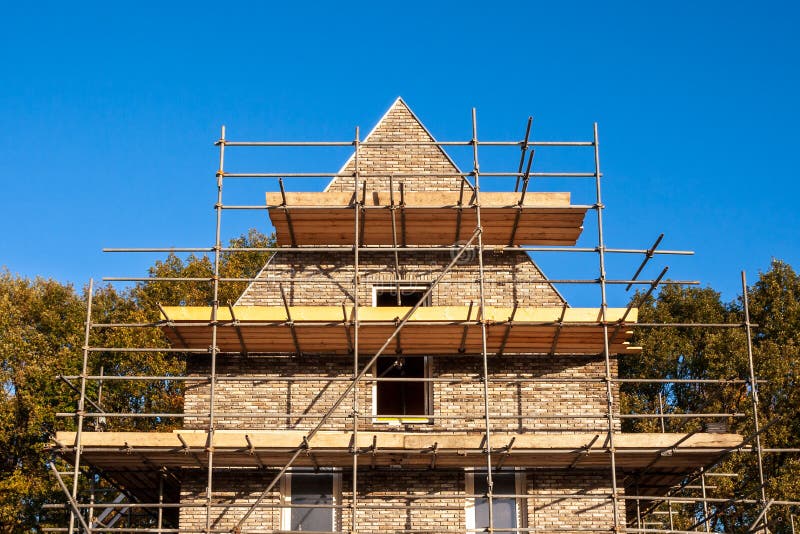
x,y
109,112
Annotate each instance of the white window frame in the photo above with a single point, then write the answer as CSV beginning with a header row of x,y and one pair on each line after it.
x,y
411,419
286,498
520,488
403,286
415,420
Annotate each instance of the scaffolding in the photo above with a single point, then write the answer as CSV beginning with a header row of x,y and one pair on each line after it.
x,y
226,332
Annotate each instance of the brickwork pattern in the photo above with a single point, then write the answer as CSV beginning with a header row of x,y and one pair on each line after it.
x,y
515,406
229,488
546,511
394,488
377,163
326,279
542,510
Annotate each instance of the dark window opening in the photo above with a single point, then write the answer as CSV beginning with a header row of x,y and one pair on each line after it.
x,y
409,296
402,397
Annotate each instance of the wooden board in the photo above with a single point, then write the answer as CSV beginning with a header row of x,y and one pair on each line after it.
x,y
138,454
431,330
430,218
419,198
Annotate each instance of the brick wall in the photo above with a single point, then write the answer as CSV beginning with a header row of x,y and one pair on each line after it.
x,y
515,406
229,488
542,510
377,163
548,511
325,279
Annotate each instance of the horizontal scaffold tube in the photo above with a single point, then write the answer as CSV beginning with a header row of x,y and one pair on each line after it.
x,y
384,248
305,415
468,379
401,143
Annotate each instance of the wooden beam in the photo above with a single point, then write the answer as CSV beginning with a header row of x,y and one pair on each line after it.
x,y
431,330
416,198
447,441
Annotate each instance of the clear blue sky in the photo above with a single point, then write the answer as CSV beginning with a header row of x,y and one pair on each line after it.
x,y
109,111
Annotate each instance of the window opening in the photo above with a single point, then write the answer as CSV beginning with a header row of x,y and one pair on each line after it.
x,y
313,490
393,400
507,510
409,295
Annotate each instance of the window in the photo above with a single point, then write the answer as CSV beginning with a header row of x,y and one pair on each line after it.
x,y
409,295
393,399
305,489
508,511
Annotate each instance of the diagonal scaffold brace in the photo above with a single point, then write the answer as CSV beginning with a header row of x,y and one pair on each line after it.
x,y
72,503
343,396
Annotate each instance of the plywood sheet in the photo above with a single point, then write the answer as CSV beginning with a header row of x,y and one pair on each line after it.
x,y
429,331
430,218
136,454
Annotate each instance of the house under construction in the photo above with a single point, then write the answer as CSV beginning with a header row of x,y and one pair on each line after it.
x,y
401,364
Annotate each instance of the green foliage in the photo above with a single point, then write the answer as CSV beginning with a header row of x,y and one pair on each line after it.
x,y
682,353
775,307
703,353
41,338
245,264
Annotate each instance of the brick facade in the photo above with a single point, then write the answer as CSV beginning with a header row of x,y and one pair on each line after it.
x,y
396,488
377,163
320,279
327,279
516,406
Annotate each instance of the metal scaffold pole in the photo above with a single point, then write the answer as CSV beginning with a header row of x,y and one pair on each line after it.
x,y
356,367
606,350
81,406
213,349
706,518
482,314
754,399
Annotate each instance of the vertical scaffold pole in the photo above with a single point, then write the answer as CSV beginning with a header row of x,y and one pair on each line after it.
x,y
81,402
669,511
214,315
356,369
706,519
754,396
606,349
482,312
638,508
160,518
92,498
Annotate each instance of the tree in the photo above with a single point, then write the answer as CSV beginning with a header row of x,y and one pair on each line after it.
x,y
701,353
41,338
775,307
